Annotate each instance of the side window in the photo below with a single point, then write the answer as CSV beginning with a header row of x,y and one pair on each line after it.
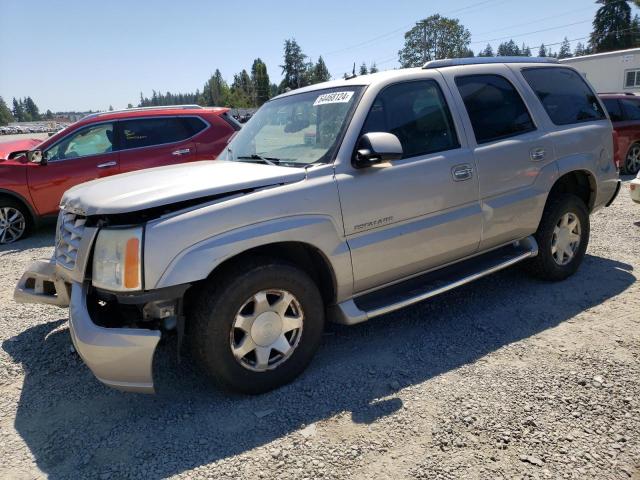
x,y
417,113
194,124
613,107
495,108
93,140
152,131
631,109
631,78
564,94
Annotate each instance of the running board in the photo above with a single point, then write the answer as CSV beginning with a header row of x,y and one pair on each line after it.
x,y
425,286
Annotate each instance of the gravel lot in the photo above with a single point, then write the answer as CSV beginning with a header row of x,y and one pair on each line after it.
x,y
505,378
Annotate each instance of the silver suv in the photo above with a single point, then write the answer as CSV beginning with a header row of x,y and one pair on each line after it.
x,y
341,201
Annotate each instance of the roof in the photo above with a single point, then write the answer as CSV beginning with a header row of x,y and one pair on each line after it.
x,y
153,111
455,62
630,51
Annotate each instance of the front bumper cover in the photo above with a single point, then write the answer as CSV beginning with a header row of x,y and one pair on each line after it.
x,y
40,283
121,358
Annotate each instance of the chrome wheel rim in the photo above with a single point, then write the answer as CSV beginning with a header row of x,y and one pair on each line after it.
x,y
566,239
633,160
266,330
12,224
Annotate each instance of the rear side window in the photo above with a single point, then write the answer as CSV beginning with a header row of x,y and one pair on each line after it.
x,y
194,124
631,109
416,113
564,94
153,131
613,107
495,107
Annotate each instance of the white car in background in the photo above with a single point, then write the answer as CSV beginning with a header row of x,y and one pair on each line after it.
x,y
635,189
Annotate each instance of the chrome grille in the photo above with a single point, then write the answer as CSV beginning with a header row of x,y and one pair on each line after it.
x,y
68,236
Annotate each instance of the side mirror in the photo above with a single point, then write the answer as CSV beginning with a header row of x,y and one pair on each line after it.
x,y
377,147
35,156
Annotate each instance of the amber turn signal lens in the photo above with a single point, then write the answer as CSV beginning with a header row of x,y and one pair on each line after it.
x,y
132,263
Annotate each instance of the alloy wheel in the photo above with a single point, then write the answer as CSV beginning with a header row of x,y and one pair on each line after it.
x,y
566,239
633,160
266,330
12,225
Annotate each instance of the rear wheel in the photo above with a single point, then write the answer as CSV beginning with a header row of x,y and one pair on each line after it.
x,y
257,330
562,236
632,161
15,221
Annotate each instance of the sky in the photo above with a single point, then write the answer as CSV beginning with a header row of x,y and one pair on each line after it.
x,y
81,55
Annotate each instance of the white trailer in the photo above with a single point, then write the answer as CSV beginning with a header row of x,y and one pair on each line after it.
x,y
610,72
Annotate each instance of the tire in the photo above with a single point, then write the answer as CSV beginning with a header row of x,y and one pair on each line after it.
x,y
553,262
15,221
232,301
631,164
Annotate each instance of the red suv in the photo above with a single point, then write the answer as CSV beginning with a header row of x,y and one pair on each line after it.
x,y
624,111
32,181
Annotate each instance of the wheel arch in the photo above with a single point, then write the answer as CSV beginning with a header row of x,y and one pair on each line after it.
x,y
19,198
581,183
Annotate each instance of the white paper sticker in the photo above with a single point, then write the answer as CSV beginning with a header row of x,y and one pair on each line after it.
x,y
335,97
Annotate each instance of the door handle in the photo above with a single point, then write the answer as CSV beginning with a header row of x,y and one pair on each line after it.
x,y
462,172
107,164
182,151
538,154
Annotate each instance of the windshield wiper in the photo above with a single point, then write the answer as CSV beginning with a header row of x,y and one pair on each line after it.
x,y
267,160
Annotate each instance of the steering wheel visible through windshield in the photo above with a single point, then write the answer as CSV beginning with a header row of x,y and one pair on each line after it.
x,y
296,130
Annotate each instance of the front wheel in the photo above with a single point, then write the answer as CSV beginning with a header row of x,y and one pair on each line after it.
x,y
15,221
562,236
257,330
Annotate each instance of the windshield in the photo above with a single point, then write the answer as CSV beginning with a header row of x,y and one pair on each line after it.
x,y
296,130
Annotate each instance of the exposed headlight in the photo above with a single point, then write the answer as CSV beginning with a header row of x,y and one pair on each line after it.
x,y
117,259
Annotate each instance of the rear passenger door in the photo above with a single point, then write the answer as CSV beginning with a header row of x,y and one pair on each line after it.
x,y
155,142
510,151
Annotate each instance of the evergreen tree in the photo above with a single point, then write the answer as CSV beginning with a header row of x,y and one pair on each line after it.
x,y
31,109
5,113
509,49
111,108
433,38
321,72
216,91
48,115
565,49
542,52
363,69
612,27
579,50
294,67
373,68
487,52
525,51
260,82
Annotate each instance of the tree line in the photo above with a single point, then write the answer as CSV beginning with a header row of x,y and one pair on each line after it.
x,y
24,110
437,37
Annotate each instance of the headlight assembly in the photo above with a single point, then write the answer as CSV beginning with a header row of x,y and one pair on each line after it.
x,y
117,259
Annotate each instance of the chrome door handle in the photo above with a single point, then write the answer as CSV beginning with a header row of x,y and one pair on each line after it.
x,y
107,164
538,154
182,151
462,172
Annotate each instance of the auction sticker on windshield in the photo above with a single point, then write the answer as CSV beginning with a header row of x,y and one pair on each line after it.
x,y
335,97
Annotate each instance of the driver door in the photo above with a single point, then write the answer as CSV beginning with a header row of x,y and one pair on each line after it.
x,y
85,154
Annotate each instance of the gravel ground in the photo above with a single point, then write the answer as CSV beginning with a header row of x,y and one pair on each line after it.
x,y
505,378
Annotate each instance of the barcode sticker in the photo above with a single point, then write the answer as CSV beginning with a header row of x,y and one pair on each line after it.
x,y
335,97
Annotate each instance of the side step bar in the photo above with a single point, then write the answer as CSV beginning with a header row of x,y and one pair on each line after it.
x,y
430,284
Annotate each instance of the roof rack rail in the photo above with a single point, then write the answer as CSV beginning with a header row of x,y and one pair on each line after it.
x,y
143,109
617,93
454,62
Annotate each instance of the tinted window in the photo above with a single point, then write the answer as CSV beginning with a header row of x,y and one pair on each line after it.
x,y
564,94
153,131
415,112
194,124
613,107
631,109
93,140
495,108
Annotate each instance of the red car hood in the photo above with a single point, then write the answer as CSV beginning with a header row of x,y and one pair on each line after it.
x,y
7,148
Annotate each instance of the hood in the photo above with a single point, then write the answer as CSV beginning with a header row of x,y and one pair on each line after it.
x,y
156,187
7,148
